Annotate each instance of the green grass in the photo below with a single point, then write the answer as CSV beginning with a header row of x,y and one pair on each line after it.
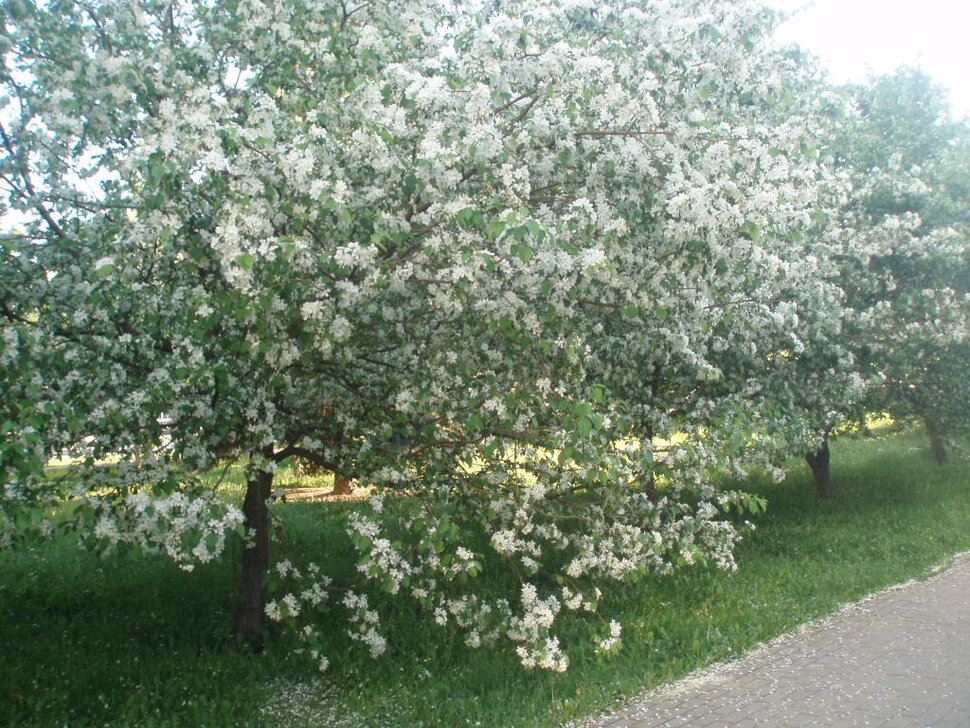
x,y
90,641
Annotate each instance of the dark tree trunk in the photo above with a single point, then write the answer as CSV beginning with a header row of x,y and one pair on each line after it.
x,y
650,481
818,461
936,442
252,596
342,485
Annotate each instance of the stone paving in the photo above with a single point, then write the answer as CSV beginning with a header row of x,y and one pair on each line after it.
x,y
898,659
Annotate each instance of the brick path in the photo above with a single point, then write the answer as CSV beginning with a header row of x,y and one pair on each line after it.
x,y
899,659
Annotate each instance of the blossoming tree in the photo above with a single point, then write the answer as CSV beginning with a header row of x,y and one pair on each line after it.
x,y
480,253
897,235
916,299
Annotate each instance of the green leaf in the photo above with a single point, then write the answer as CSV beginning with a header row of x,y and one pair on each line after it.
x,y
495,229
245,261
523,252
535,229
471,219
751,231
582,409
519,232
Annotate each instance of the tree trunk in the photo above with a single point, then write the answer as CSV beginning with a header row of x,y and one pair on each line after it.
x,y
936,442
252,596
650,483
818,461
342,485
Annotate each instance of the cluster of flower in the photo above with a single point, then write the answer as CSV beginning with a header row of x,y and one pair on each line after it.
x,y
188,528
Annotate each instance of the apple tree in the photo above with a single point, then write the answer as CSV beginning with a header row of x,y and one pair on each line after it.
x,y
474,254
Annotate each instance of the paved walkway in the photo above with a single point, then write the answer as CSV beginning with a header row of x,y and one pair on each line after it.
x,y
899,659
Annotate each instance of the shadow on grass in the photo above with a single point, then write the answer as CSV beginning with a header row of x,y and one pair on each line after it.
x,y
122,642
113,641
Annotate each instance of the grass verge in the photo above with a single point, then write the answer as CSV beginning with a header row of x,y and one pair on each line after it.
x,y
90,641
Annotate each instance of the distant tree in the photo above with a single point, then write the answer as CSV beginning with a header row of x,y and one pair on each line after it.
x,y
913,299
891,245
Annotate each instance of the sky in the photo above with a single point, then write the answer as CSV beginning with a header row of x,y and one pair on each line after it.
x,y
856,38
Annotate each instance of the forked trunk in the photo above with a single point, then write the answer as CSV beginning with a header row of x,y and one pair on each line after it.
x,y
255,562
818,461
936,442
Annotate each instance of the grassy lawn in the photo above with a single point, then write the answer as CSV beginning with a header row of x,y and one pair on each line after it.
x,y
88,641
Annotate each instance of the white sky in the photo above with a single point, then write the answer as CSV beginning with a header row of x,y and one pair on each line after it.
x,y
856,38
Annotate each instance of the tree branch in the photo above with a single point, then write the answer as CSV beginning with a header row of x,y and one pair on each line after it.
x,y
25,176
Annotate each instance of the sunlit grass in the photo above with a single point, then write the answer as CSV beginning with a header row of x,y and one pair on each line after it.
x,y
61,463
115,642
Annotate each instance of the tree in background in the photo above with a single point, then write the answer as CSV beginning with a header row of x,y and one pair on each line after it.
x,y
910,216
891,246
